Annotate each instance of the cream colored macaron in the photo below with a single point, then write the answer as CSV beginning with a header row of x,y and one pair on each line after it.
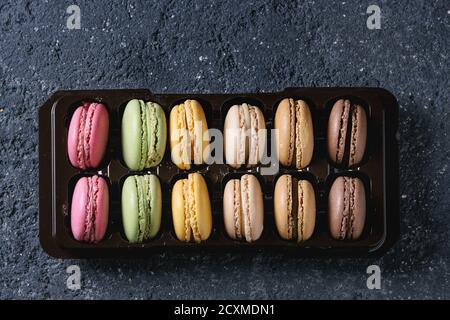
x,y
294,208
295,136
244,136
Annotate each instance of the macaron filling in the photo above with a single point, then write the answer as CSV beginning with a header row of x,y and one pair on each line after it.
x,y
144,203
190,127
299,141
88,132
292,131
237,209
343,132
154,126
243,145
346,230
187,215
254,145
183,140
355,115
289,203
300,213
80,147
246,208
295,210
192,209
352,207
144,147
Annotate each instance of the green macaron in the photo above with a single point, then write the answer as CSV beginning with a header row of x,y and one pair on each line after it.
x,y
144,134
141,207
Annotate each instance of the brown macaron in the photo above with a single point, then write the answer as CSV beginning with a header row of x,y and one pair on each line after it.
x,y
296,135
294,208
346,208
347,133
243,208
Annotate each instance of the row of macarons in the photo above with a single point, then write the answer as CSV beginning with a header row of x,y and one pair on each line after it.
x,y
144,134
294,202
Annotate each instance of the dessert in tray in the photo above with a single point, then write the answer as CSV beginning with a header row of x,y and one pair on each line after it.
x,y
308,171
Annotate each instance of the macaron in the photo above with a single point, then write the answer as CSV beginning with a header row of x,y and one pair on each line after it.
x,y
90,209
243,208
295,137
294,208
189,138
144,134
346,208
347,133
141,207
88,135
191,209
245,136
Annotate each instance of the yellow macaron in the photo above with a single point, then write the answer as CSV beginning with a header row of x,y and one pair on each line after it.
x,y
191,209
188,134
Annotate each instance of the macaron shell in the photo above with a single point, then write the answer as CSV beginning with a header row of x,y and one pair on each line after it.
x,y
336,205
102,215
200,134
359,209
178,205
161,133
229,207
253,206
202,205
232,138
244,144
72,137
132,139
281,206
80,199
304,134
130,209
337,127
309,210
283,124
257,138
99,135
155,205
359,135
178,140
145,135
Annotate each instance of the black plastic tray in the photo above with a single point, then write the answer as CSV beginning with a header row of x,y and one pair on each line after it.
x,y
379,172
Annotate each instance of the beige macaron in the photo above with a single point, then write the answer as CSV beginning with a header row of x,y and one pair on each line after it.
x,y
295,136
294,208
243,208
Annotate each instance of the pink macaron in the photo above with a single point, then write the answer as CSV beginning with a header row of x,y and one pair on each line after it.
x,y
88,135
90,209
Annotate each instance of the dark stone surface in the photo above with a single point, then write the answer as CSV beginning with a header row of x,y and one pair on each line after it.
x,y
238,46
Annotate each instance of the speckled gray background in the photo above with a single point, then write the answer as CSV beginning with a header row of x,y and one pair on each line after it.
x,y
223,46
